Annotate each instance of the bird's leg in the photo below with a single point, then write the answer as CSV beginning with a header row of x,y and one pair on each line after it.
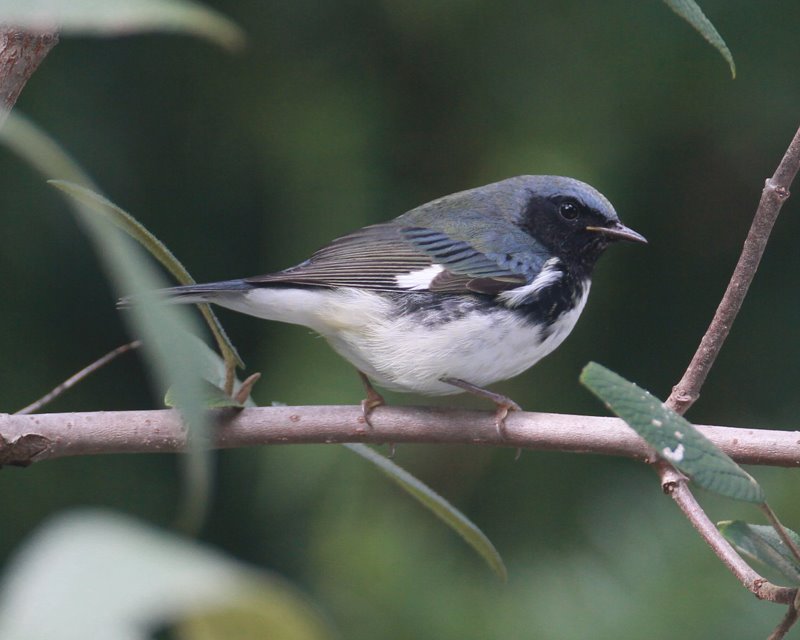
x,y
372,401
504,403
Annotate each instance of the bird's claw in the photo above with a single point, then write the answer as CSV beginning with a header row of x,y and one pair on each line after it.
x,y
368,405
504,403
503,408
372,401
500,422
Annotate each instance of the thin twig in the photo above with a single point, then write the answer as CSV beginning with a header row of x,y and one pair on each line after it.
x,y
674,484
788,620
775,193
76,378
780,530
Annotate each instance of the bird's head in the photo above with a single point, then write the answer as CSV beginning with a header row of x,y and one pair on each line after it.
x,y
571,219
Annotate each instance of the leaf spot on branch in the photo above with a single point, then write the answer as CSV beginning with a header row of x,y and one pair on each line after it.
x,y
675,455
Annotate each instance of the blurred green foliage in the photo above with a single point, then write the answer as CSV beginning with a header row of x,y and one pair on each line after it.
x,y
339,114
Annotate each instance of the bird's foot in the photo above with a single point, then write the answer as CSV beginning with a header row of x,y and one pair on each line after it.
x,y
503,403
372,401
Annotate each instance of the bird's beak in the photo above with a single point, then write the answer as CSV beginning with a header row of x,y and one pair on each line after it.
x,y
619,232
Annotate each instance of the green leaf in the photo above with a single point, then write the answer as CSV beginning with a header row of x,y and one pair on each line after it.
x,y
160,252
446,512
691,12
762,543
33,144
122,17
214,397
94,574
42,152
214,372
673,438
165,331
170,347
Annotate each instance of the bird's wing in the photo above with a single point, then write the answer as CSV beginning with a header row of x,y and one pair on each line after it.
x,y
393,257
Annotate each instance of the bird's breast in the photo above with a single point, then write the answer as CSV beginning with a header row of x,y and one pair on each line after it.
x,y
408,341
428,337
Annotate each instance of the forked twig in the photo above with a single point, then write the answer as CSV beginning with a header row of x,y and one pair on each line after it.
x,y
686,392
675,485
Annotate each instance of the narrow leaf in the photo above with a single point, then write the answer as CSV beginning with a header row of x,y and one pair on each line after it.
x,y
762,543
673,438
165,330
160,252
41,151
446,512
213,369
690,11
122,17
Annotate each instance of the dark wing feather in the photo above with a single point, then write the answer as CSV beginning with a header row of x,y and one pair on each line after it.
x,y
373,257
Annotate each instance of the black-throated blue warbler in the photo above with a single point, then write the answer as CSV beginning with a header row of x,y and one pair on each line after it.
x,y
461,292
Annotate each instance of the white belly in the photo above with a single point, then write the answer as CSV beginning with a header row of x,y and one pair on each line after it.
x,y
402,354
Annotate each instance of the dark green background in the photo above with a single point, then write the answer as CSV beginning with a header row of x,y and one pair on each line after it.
x,y
340,114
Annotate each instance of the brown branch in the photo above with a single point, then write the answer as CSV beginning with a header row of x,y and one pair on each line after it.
x,y
674,485
686,392
21,53
775,193
788,620
785,625
28,438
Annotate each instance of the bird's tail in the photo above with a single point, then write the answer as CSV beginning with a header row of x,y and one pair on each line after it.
x,y
191,293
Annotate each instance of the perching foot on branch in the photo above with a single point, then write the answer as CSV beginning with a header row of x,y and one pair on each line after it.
x,y
503,403
372,401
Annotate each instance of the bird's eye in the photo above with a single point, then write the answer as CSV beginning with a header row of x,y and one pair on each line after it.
x,y
568,210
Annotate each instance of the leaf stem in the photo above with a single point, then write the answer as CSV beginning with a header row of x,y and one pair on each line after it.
x,y
160,252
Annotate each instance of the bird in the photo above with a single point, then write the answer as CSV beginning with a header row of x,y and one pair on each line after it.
x,y
452,296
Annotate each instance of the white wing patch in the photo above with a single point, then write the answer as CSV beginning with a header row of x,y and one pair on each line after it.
x,y
419,280
550,274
